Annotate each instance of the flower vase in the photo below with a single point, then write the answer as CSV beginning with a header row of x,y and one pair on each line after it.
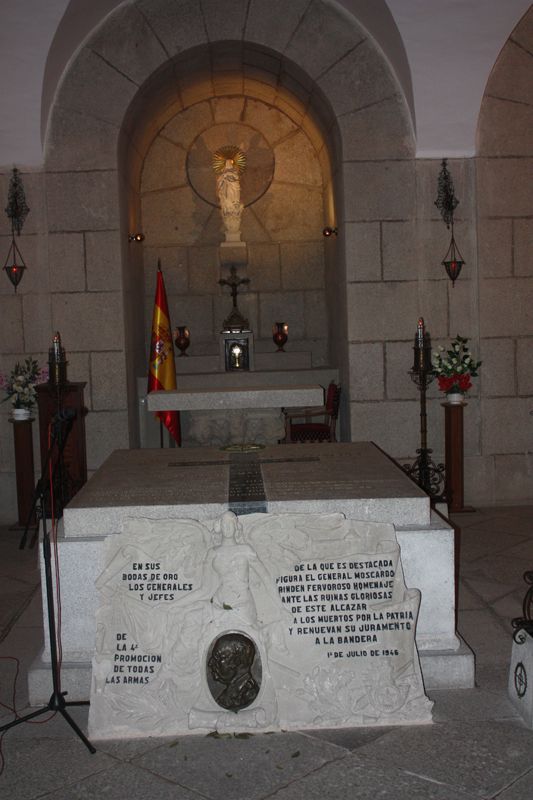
x,y
455,398
20,414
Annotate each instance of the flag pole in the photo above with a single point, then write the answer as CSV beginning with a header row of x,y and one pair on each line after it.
x,y
162,369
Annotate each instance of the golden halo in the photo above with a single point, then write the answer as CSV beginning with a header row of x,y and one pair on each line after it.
x,y
229,152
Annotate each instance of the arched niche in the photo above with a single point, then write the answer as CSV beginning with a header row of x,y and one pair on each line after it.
x,y
132,75
247,94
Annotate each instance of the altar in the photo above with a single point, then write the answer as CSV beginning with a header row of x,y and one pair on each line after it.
x,y
200,484
234,415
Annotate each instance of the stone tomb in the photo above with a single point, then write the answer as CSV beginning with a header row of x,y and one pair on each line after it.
x,y
263,622
200,484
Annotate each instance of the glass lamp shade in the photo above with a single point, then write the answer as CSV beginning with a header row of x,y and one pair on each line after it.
x,y
453,261
14,266
453,268
14,272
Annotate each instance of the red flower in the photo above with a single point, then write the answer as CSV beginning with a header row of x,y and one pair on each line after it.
x,y
455,383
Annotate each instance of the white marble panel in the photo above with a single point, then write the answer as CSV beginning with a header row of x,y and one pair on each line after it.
x,y
261,622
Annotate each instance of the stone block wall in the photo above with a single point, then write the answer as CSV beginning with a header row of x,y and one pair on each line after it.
x,y
504,471
395,243
72,284
315,86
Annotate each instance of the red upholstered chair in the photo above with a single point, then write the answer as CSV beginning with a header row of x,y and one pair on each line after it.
x,y
315,424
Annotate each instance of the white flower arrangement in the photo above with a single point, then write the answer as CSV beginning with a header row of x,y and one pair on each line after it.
x,y
20,384
455,366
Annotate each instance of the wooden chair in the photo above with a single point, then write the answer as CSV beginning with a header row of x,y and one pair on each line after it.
x,y
316,423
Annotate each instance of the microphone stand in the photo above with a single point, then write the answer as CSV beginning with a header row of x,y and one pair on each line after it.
x,y
61,425
57,702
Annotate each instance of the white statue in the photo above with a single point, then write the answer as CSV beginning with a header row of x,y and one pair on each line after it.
x,y
228,163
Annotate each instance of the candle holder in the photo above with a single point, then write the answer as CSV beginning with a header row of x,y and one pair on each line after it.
x,y
182,339
57,362
428,475
280,334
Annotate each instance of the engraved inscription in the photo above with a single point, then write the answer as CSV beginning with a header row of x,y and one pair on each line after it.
x,y
344,606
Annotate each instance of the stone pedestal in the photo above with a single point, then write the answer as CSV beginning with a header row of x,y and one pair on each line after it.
x,y
233,253
520,686
232,427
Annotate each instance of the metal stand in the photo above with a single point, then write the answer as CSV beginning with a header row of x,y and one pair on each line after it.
x,y
57,700
428,475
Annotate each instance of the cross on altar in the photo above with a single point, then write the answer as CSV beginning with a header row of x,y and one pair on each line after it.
x,y
233,282
235,321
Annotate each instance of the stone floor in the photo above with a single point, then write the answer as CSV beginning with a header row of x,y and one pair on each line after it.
x,y
476,748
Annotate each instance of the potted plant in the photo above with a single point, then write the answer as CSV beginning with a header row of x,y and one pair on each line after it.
x,y
19,387
454,369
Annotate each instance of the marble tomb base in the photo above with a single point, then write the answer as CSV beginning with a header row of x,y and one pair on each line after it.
x,y
354,479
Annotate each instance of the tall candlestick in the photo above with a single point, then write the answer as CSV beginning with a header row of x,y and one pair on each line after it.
x,y
422,348
428,475
57,362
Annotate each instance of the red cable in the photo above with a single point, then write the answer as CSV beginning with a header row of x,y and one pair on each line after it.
x,y
4,705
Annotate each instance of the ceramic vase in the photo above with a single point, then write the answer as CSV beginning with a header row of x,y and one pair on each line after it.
x,y
454,398
19,414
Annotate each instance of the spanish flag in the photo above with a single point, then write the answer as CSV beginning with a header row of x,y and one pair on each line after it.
x,y
162,370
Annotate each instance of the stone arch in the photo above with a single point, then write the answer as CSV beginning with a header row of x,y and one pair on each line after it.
x,y
505,242
322,66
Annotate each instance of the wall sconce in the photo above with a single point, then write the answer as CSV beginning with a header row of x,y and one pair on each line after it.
x,y
447,202
17,210
136,237
327,232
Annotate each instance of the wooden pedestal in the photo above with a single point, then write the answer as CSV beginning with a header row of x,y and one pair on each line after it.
x,y
454,457
24,470
67,398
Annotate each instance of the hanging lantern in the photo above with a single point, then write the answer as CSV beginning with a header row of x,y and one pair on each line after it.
x,y
14,266
447,202
453,261
17,210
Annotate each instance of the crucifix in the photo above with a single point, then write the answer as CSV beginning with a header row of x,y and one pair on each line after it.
x,y
233,282
235,321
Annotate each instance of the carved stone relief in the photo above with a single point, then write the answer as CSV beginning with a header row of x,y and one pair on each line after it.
x,y
260,622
